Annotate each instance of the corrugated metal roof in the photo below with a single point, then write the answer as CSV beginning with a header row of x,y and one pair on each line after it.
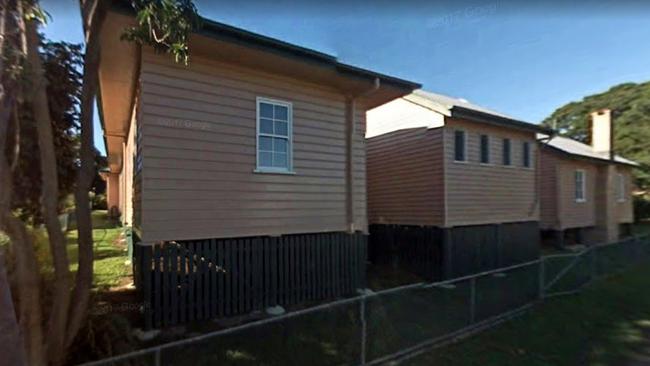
x,y
450,102
461,108
573,147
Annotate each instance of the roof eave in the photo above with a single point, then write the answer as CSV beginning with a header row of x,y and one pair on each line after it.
x,y
477,116
225,32
591,158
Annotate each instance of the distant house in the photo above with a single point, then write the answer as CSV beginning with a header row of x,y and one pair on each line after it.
x,y
586,189
452,186
242,174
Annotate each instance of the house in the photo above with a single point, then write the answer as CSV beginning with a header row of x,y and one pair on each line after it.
x,y
452,187
242,174
586,189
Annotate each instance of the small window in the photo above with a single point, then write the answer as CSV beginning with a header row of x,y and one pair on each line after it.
x,y
580,186
485,149
274,136
506,152
621,188
459,146
526,154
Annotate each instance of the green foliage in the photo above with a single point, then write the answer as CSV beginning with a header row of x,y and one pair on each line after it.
x,y
641,208
62,63
630,105
165,25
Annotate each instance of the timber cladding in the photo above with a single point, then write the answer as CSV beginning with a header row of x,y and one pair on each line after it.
x,y
185,281
478,193
199,137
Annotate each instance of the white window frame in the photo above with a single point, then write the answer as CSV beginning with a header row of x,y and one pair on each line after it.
x,y
480,149
289,137
466,158
583,188
620,193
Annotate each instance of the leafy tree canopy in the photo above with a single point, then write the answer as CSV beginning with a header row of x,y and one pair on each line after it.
x,y
62,63
630,105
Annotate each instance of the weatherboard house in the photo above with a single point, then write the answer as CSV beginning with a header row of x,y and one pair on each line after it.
x,y
452,186
586,189
243,174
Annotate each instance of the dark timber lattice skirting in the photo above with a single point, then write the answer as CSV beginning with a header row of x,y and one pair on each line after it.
x,y
201,279
442,253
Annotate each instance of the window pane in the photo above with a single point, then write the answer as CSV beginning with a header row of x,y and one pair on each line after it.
x,y
280,160
266,110
506,152
266,159
281,112
266,143
266,126
526,154
485,149
459,145
281,128
280,145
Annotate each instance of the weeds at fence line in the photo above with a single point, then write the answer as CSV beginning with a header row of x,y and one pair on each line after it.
x,y
397,323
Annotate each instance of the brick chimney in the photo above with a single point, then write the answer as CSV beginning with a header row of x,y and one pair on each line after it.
x,y
602,132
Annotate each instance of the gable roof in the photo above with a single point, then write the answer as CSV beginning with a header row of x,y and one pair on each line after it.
x,y
224,32
581,150
461,108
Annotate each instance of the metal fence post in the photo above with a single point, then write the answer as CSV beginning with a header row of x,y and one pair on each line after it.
x,y
363,329
472,295
594,263
542,280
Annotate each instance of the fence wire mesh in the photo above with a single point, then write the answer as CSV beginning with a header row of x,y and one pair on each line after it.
x,y
376,327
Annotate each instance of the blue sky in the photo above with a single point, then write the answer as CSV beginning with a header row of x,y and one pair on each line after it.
x,y
524,61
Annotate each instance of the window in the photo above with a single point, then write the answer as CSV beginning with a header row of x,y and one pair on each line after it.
x,y
506,152
485,149
274,136
526,154
138,147
580,183
459,146
621,188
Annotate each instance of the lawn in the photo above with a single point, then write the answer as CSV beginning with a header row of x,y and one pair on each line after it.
x,y
110,268
607,324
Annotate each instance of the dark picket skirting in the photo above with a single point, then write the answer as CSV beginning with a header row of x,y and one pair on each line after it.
x,y
415,248
201,279
435,253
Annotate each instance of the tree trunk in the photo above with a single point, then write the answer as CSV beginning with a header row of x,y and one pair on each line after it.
x,y
93,17
11,344
27,274
49,198
28,289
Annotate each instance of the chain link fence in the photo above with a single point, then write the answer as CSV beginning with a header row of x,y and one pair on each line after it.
x,y
376,327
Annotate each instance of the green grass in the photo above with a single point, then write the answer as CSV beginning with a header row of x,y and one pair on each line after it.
x,y
607,324
110,268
